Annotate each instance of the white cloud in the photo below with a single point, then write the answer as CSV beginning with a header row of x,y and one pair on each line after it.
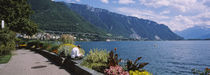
x,y
78,0
163,2
202,19
181,5
155,3
175,23
165,12
126,1
146,14
105,1
179,23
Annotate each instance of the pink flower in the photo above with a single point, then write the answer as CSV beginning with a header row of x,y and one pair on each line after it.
x,y
115,70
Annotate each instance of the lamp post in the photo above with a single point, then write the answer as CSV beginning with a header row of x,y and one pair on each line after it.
x,y
2,24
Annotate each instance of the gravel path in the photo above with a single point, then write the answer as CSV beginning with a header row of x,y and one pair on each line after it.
x,y
25,62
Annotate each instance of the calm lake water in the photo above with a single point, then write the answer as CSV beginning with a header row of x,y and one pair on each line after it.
x,y
164,57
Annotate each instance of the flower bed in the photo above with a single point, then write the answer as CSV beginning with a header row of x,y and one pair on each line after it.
x,y
108,63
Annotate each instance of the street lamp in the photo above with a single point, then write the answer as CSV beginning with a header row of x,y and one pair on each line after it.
x,y
2,24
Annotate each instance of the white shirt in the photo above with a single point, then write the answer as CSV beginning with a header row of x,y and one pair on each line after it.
x,y
75,52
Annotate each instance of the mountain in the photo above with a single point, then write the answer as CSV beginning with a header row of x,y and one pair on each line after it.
x,y
56,16
206,36
124,26
196,32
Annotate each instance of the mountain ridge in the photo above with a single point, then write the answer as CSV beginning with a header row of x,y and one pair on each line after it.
x,y
196,32
124,26
55,16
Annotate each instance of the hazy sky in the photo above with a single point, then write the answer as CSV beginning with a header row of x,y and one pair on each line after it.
x,y
176,14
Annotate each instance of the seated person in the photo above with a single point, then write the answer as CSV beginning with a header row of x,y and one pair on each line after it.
x,y
75,53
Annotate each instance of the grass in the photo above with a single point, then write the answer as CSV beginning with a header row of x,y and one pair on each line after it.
x,y
5,58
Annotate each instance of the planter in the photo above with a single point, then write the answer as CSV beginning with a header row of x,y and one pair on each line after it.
x,y
73,66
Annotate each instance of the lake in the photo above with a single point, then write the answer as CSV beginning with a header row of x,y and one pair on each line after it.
x,y
164,57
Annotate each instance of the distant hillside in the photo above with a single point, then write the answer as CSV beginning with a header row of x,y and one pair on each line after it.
x,y
197,32
206,36
125,26
56,16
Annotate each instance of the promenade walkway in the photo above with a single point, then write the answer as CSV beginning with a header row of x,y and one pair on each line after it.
x,y
26,62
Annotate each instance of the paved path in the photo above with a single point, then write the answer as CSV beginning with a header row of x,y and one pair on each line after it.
x,y
25,62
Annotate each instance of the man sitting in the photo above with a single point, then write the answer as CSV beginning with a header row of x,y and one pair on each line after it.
x,y
75,53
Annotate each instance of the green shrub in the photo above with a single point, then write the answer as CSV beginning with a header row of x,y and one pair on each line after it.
x,y
96,59
53,47
67,48
37,43
21,42
45,45
31,44
7,47
7,43
67,39
49,46
18,40
34,44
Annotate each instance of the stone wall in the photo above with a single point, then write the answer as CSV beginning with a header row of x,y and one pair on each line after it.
x,y
73,66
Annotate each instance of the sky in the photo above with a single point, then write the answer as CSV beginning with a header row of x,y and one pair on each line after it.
x,y
176,14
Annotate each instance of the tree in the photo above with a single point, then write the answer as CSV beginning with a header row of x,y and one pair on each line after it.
x,y
16,14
